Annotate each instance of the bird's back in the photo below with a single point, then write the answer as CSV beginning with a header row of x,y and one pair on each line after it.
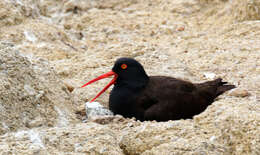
x,y
167,98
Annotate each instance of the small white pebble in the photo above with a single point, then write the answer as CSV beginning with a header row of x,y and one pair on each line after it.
x,y
30,36
212,138
93,105
210,76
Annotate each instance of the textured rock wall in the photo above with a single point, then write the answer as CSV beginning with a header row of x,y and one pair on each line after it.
x,y
79,39
30,93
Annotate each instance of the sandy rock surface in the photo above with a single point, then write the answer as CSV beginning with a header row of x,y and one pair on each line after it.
x,y
31,94
195,40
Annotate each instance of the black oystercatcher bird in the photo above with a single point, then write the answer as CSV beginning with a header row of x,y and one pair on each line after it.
x,y
160,98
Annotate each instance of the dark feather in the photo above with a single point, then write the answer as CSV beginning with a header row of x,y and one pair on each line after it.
x,y
159,98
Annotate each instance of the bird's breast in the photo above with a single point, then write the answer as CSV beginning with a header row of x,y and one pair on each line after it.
x,y
122,101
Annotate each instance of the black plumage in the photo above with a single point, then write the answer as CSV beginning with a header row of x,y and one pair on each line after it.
x,y
160,98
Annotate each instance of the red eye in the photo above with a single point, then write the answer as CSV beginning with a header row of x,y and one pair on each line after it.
x,y
123,66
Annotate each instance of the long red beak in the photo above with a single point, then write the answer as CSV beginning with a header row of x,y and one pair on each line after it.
x,y
106,75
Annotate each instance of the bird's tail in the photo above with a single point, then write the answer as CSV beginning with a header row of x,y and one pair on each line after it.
x,y
224,88
220,86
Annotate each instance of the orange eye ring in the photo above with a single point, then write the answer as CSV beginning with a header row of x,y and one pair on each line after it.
x,y
123,66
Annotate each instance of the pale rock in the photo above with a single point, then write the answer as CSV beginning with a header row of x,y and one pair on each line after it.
x,y
95,109
30,36
239,92
28,100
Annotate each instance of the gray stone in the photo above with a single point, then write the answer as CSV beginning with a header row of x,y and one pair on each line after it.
x,y
95,109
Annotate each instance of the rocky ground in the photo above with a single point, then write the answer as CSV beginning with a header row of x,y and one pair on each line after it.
x,y
50,48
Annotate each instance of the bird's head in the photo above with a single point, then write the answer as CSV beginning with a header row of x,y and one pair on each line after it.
x,y
127,72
